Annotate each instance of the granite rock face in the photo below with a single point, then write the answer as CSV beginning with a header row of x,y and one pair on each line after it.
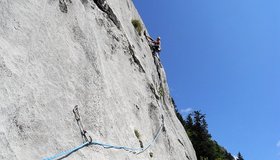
x,y
56,54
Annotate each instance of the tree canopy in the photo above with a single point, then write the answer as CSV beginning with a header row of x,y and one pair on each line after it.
x,y
239,156
197,129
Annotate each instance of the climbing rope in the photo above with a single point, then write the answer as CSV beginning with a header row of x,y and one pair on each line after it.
x,y
66,153
89,141
107,146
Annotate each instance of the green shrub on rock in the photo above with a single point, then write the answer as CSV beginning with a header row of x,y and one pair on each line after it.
x,y
137,25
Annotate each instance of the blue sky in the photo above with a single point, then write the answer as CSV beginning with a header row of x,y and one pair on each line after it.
x,y
223,57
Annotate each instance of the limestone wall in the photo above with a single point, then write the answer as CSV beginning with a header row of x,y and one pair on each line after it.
x,y
55,54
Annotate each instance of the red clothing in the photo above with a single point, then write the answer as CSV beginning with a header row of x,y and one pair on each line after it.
x,y
156,43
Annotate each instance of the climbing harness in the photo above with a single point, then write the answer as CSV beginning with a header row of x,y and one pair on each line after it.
x,y
84,133
155,47
88,141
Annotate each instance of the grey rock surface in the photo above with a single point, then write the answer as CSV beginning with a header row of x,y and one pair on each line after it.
x,y
55,54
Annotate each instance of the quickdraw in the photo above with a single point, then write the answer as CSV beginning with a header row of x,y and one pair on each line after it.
x,y
85,136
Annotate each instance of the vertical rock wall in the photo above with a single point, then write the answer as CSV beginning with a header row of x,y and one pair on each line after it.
x,y
55,54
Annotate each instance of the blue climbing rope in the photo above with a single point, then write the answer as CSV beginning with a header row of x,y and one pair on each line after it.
x,y
133,150
153,141
65,153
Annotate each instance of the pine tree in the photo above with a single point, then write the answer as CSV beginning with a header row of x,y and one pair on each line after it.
x,y
239,156
189,122
197,129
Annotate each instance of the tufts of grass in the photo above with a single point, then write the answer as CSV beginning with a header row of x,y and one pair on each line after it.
x,y
137,25
160,91
137,134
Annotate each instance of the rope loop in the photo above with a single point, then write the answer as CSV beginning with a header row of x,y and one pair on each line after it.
x,y
88,140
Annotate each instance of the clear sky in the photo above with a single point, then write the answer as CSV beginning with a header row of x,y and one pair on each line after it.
x,y
223,57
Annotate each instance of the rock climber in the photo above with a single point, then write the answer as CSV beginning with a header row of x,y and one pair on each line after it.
x,y
154,44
